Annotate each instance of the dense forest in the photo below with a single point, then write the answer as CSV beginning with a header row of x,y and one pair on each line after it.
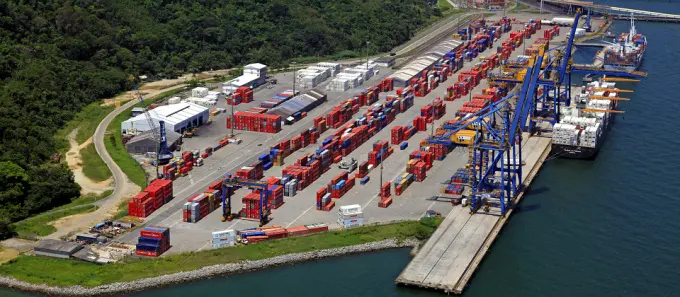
x,y
56,56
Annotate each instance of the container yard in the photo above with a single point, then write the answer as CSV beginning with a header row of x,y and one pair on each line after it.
x,y
368,148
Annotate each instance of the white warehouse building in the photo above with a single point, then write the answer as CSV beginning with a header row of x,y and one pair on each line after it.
x,y
254,75
177,117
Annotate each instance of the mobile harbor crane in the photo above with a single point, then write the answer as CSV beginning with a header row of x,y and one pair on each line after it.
x,y
158,135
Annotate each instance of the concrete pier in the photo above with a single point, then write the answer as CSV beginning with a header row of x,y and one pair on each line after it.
x,y
450,257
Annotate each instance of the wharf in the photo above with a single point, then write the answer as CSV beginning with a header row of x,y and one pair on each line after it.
x,y
451,256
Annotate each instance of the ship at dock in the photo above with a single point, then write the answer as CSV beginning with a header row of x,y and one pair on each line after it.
x,y
627,51
583,125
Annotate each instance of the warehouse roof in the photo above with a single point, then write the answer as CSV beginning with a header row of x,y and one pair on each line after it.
x,y
170,136
173,114
52,245
242,80
256,66
426,61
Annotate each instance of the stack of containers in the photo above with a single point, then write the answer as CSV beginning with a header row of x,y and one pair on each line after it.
x,y
385,194
253,235
420,123
251,206
426,157
296,231
245,93
402,182
179,167
381,151
456,189
462,176
339,185
439,151
153,241
274,232
275,196
350,216
224,238
397,134
257,122
323,200
200,205
320,124
141,205
363,170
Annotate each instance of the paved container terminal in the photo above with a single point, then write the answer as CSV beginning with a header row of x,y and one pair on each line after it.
x,y
452,254
448,255
301,209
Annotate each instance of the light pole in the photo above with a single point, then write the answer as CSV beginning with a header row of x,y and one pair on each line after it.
x,y
381,174
367,43
432,132
233,121
294,76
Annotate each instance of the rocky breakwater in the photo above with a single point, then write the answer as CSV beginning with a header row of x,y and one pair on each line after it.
x,y
203,273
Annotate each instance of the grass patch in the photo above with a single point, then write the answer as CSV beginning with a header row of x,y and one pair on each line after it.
x,y
444,6
122,211
519,7
93,165
86,121
114,144
41,270
537,11
85,199
38,225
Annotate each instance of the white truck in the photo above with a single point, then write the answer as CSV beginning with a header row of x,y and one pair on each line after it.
x,y
563,22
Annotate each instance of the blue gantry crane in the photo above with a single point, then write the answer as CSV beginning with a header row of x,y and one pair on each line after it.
x,y
554,80
231,184
587,26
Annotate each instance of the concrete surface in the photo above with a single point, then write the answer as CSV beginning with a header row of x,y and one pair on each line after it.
x,y
448,254
301,208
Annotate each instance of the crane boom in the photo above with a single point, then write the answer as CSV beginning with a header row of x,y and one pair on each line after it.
x,y
612,90
602,110
608,98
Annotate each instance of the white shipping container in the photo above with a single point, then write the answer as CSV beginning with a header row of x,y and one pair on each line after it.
x,y
351,223
199,92
338,85
350,209
334,67
563,21
174,100
224,234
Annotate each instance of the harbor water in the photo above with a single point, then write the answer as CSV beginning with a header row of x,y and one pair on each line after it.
x,y
607,227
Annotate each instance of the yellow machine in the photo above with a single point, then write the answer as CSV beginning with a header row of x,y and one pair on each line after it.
x,y
464,137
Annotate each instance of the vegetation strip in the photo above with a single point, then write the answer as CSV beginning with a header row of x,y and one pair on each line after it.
x,y
205,272
94,167
39,270
39,225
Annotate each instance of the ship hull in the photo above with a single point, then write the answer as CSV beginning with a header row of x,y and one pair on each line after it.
x,y
574,152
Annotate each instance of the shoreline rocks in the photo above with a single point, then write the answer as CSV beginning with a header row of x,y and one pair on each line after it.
x,y
202,273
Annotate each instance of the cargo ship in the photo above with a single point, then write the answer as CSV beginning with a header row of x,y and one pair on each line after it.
x,y
627,51
580,133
